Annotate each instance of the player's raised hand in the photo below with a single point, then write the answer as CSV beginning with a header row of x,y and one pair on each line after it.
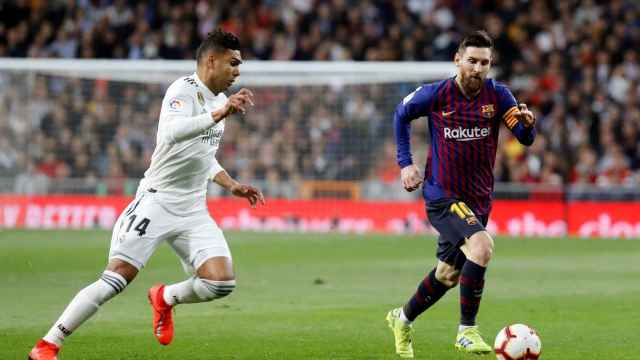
x,y
411,177
239,102
525,116
254,195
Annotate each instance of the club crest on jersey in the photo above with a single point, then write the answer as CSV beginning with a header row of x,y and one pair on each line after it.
x,y
200,98
175,104
487,111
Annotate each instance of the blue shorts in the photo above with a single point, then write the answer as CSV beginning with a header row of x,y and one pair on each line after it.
x,y
455,222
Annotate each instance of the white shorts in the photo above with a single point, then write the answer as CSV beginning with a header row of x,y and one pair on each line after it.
x,y
145,224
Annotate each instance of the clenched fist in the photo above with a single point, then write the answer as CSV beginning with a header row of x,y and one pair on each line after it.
x,y
525,116
411,177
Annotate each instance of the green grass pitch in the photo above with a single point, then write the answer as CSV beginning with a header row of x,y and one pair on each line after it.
x,y
324,297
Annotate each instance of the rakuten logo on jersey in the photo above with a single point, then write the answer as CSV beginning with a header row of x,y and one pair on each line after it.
x,y
462,134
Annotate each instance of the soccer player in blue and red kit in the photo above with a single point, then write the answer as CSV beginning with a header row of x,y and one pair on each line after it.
x,y
464,115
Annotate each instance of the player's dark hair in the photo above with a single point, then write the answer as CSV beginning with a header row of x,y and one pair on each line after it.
x,y
218,41
478,38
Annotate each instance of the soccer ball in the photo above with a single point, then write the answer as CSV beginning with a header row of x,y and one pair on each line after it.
x,y
517,342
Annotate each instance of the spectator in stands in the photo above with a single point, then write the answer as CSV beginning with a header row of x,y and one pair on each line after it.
x,y
30,181
576,62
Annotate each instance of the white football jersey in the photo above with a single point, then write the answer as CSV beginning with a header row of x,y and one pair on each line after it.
x,y
184,157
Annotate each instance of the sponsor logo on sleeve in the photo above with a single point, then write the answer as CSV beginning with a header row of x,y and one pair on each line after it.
x,y
410,96
176,104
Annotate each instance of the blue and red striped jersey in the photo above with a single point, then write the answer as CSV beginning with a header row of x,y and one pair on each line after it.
x,y
464,138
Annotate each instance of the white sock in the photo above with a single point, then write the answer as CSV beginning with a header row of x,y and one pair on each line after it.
x,y
208,290
181,293
403,318
196,290
462,328
84,305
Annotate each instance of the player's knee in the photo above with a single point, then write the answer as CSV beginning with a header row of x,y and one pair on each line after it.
x,y
481,254
216,269
486,251
208,290
448,277
217,276
451,280
481,249
122,268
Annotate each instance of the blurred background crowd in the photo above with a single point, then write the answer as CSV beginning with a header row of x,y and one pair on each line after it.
x,y
574,62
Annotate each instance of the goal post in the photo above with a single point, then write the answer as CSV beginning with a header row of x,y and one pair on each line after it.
x,y
317,128
254,73
319,143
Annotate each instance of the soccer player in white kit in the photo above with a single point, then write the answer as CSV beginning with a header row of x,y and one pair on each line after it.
x,y
170,204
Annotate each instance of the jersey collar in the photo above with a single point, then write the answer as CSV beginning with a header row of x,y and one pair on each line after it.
x,y
204,87
459,89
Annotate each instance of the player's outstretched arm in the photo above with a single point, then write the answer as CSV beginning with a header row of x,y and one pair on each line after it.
x,y
252,194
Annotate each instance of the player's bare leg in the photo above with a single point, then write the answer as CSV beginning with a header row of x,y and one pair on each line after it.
x,y
214,279
478,249
84,305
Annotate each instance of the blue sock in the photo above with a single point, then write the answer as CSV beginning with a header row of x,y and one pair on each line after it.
x,y
429,292
471,286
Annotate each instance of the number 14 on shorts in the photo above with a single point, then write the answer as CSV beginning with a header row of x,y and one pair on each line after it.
x,y
141,227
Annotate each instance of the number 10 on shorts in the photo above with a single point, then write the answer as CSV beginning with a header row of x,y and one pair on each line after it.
x,y
461,209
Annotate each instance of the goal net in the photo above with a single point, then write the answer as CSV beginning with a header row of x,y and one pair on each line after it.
x,y
318,142
318,129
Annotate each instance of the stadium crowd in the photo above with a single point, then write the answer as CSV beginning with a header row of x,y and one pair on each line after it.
x,y
574,62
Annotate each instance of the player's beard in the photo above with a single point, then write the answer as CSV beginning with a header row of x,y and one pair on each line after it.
x,y
472,84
